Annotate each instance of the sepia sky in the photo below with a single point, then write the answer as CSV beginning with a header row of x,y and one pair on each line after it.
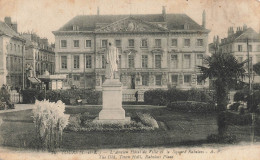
x,y
45,16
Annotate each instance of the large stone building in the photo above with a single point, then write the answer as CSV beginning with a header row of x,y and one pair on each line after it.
x,y
245,40
156,50
11,54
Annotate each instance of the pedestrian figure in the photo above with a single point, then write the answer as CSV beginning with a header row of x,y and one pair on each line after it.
x,y
136,97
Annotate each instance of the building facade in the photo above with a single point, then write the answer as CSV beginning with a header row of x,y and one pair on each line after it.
x,y
241,43
11,54
155,51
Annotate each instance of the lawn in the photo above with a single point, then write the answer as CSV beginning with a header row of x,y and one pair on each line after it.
x,y
175,129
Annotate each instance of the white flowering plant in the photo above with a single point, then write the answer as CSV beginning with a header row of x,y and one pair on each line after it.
x,y
50,120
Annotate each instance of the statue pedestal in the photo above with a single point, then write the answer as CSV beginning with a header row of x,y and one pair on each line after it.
x,y
112,111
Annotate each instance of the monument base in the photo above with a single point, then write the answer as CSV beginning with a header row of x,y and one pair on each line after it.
x,y
112,121
112,110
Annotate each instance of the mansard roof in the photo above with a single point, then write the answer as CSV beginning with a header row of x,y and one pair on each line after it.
x,y
171,22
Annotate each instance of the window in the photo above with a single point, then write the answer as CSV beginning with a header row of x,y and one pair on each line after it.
x,y
64,62
76,77
103,63
131,43
199,42
174,80
174,61
199,60
158,61
11,46
158,43
18,48
63,43
88,61
144,61
76,62
88,43
14,47
118,43
103,77
131,61
186,42
250,48
144,43
104,43
76,43
186,62
199,80
174,42
145,80
158,80
239,48
187,79
119,61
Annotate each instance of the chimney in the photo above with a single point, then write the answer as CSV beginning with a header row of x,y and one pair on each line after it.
x,y
164,12
8,21
244,27
98,11
204,19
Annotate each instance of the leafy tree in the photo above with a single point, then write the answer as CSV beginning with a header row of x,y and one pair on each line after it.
x,y
256,68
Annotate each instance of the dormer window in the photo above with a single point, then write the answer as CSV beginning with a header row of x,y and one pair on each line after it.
x,y
75,28
186,26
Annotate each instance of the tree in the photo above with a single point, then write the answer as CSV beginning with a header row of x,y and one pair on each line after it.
x,y
225,71
256,68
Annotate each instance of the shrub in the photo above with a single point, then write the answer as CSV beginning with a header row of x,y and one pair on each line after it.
x,y
215,138
191,106
148,120
240,96
49,120
164,97
2,105
30,95
237,119
234,106
4,94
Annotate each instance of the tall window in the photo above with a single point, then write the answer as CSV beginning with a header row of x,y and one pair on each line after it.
x,y
158,80
63,43
103,63
240,48
131,61
88,61
250,48
14,47
199,60
144,61
174,61
144,43
199,80
174,42
145,80
119,61
199,42
88,43
158,43
187,79
158,61
104,43
76,62
76,77
118,43
187,42
76,43
131,43
186,62
174,80
11,46
64,62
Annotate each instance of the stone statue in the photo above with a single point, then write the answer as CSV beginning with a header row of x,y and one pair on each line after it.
x,y
111,61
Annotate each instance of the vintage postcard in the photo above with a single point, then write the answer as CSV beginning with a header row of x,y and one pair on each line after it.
x,y
129,79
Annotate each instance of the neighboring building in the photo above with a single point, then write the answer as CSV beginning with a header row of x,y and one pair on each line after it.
x,y
236,44
11,54
39,57
156,50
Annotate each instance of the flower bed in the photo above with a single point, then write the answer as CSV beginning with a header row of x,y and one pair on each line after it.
x,y
84,122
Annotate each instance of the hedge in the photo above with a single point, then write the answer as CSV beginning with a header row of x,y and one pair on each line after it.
x,y
238,119
164,97
92,97
192,106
